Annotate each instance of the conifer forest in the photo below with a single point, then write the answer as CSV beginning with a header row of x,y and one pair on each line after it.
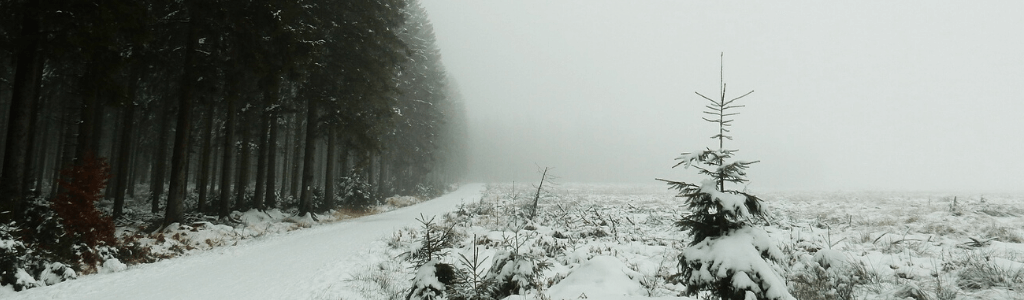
x,y
213,106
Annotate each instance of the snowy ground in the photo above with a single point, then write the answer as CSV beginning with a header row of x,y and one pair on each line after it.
x,y
606,241
618,241
298,265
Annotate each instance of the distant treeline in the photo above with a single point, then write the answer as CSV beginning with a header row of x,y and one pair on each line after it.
x,y
219,105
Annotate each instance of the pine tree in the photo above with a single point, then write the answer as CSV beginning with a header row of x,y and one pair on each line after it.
x,y
729,255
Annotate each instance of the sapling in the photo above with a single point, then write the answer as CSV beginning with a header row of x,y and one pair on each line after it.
x,y
729,256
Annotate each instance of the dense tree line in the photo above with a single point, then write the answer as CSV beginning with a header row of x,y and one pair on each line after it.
x,y
220,105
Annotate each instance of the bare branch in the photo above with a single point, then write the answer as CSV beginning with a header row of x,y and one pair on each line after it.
x,y
705,97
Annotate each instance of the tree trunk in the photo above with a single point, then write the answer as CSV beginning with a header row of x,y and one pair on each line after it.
x,y
288,159
16,144
123,159
295,158
156,182
67,152
33,127
114,146
175,212
329,172
229,150
44,157
133,178
203,182
271,199
305,200
261,163
242,187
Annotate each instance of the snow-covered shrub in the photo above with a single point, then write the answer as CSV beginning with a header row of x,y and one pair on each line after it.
x,y
11,252
826,275
434,280
728,256
513,273
356,191
21,267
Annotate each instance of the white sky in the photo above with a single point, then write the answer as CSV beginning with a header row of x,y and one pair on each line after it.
x,y
861,95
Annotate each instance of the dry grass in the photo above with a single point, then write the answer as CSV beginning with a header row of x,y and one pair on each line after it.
x,y
982,271
1002,233
350,213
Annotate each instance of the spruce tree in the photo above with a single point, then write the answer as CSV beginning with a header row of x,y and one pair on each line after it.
x,y
729,255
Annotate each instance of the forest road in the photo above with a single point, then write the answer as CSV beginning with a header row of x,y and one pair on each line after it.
x,y
297,265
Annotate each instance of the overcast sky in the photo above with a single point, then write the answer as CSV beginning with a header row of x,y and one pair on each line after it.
x,y
862,95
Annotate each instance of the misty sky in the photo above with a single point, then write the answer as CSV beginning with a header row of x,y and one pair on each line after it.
x,y
863,95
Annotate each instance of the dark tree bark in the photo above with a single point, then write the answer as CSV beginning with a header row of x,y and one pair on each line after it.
x,y
305,200
297,145
175,212
44,157
261,163
33,127
114,146
288,159
229,150
123,158
203,183
23,88
242,187
271,199
132,179
329,172
156,182
67,153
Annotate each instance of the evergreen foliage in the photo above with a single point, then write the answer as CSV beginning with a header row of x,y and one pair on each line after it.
x,y
728,255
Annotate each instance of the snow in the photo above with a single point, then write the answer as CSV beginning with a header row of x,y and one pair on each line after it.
x,y
426,277
736,203
739,251
600,276
891,240
297,265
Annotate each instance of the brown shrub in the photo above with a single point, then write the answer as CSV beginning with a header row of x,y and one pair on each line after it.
x,y
81,186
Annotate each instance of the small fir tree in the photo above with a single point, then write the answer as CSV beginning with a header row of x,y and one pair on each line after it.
x,y
729,255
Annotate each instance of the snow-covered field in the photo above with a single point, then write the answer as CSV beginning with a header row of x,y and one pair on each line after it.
x,y
600,241
609,241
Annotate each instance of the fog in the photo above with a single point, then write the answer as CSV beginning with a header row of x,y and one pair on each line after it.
x,y
864,95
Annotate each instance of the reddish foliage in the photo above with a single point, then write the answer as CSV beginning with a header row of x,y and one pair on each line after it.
x,y
81,186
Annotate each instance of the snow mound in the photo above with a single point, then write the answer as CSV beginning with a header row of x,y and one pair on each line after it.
x,y
305,220
402,201
254,216
600,276
827,258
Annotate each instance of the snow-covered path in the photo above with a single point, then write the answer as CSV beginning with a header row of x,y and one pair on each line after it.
x,y
297,265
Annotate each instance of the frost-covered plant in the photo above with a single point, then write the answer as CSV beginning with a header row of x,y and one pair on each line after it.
x,y
433,280
435,238
356,191
26,266
728,256
514,273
